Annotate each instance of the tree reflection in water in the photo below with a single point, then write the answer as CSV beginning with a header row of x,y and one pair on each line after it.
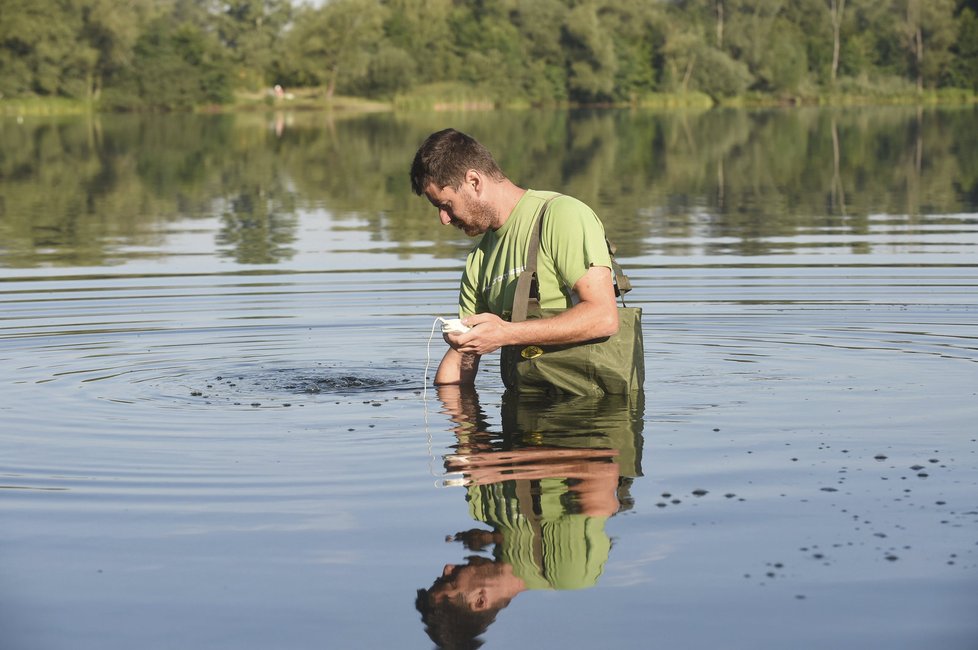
x,y
545,486
106,189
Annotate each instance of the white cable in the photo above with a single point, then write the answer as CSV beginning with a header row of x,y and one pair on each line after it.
x,y
424,400
444,483
427,363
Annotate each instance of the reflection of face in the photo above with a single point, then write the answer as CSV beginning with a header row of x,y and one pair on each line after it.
x,y
461,209
484,585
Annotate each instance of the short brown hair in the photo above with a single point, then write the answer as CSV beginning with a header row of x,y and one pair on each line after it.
x,y
444,158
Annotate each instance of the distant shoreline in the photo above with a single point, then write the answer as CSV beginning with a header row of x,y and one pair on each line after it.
x,y
314,99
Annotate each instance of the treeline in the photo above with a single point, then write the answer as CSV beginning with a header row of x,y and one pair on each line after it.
x,y
178,54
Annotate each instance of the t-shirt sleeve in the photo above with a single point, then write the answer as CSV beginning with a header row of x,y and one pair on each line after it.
x,y
574,238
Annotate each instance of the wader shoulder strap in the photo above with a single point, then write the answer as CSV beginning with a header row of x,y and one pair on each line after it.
x,y
527,297
527,293
622,284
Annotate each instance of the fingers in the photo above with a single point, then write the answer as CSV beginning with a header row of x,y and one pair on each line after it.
x,y
456,340
481,338
478,319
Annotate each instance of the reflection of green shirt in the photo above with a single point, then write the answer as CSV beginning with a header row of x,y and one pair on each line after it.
x,y
553,550
572,241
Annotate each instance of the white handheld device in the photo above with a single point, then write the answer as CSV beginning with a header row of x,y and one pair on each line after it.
x,y
453,326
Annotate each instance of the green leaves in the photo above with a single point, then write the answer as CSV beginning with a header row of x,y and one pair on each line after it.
x,y
174,67
334,43
182,53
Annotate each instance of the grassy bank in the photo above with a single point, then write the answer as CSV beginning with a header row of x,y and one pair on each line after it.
x,y
44,106
456,97
303,99
850,92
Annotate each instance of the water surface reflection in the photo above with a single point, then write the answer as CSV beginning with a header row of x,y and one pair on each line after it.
x,y
213,426
545,486
107,190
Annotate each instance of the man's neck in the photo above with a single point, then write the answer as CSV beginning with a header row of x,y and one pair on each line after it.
x,y
508,195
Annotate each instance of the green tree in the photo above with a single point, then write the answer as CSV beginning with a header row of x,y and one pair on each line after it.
x,y
252,31
175,66
708,17
640,34
544,62
757,33
389,71
964,69
421,29
41,51
929,34
873,46
691,63
489,46
592,62
785,64
333,44
110,30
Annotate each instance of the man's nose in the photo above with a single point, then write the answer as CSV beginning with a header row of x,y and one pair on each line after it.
x,y
445,217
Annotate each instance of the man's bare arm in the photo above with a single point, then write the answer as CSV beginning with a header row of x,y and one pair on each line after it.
x,y
457,368
595,316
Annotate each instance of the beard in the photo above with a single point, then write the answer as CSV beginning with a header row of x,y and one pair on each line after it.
x,y
479,218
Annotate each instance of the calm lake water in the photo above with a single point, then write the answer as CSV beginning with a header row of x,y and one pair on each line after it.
x,y
216,429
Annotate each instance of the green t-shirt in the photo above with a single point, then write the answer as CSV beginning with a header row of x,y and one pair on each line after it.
x,y
572,241
554,549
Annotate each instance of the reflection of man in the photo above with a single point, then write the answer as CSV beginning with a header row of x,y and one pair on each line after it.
x,y
464,601
462,180
546,487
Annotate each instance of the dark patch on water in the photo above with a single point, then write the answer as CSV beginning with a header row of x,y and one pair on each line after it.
x,y
305,381
331,384
265,386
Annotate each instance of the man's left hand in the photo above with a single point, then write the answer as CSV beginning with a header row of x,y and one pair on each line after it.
x,y
487,334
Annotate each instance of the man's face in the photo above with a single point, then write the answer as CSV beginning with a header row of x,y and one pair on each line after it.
x,y
482,585
462,208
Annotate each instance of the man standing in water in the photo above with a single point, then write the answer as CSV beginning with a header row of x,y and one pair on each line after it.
x,y
459,176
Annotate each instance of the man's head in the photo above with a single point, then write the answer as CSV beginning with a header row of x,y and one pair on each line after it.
x,y
446,156
460,178
464,601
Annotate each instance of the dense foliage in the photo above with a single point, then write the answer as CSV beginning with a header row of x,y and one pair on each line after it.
x,y
179,53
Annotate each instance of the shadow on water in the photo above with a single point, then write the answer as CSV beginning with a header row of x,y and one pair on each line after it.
x,y
544,486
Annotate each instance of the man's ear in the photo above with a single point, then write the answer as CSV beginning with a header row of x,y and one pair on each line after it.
x,y
474,180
